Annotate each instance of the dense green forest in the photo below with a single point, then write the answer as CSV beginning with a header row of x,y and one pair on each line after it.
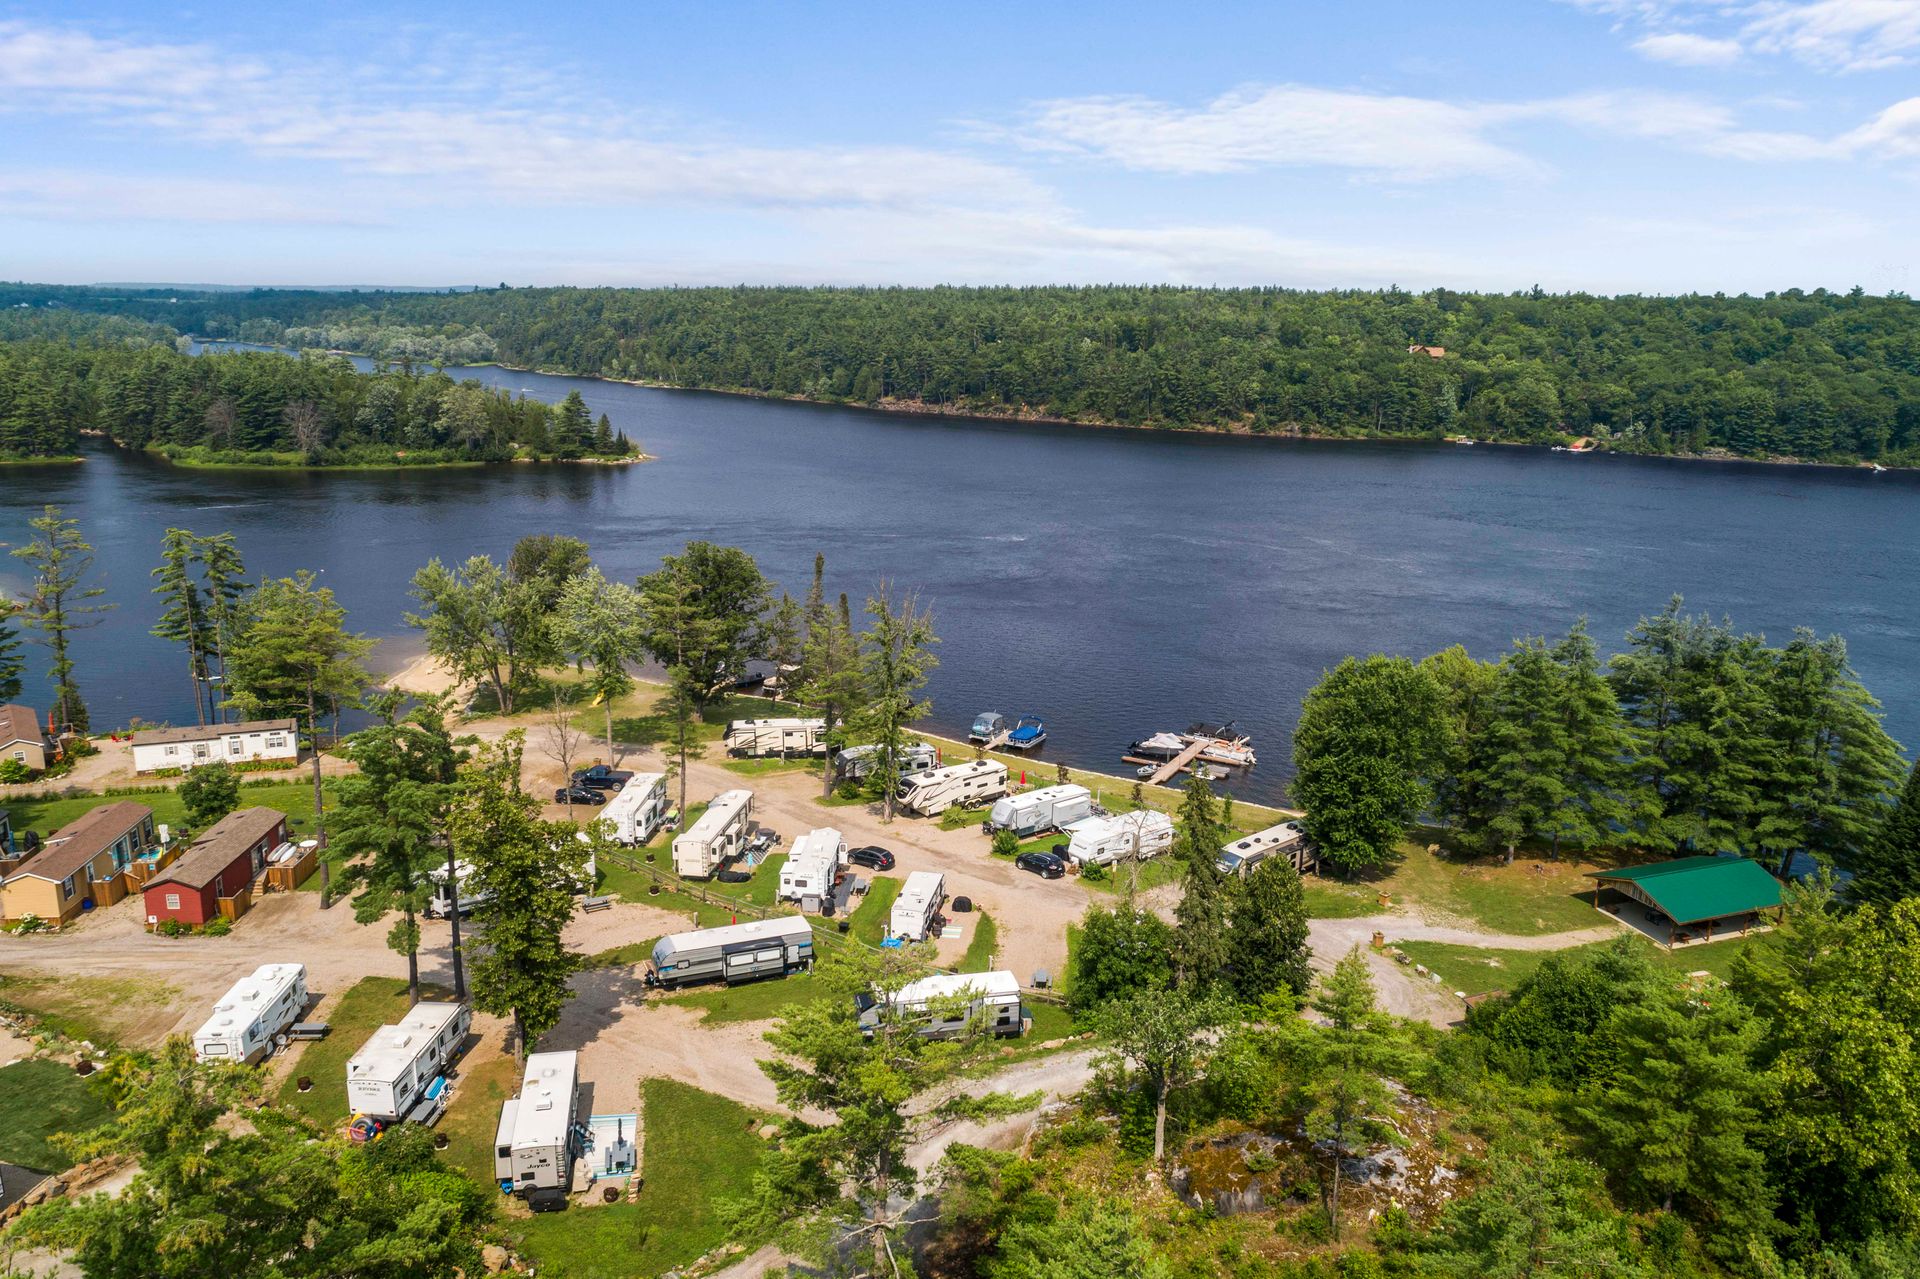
x,y
63,373
1809,375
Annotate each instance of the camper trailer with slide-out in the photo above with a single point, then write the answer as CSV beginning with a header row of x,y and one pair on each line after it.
x,y
968,785
856,762
1288,839
735,953
637,810
756,738
721,833
1135,836
1049,808
440,900
394,1075
245,1021
539,1136
919,901
950,1005
812,868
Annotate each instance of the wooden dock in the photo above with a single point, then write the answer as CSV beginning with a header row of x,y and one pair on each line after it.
x,y
1178,764
997,742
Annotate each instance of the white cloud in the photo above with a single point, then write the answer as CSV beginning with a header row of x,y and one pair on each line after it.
x,y
1688,50
71,196
1839,35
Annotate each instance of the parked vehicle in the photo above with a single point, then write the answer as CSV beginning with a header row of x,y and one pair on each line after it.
x,y
1100,841
1049,808
1028,734
399,1073
950,1005
968,785
987,725
872,856
721,833
579,795
856,762
1045,865
637,812
1288,839
540,1133
440,905
917,905
756,738
247,1018
735,953
601,777
812,868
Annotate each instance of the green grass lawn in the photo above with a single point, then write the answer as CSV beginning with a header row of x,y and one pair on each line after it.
x,y
753,1001
769,767
1532,897
39,1098
699,1149
869,919
1477,970
367,1005
1163,869
1330,899
95,1009
295,799
986,937
474,1116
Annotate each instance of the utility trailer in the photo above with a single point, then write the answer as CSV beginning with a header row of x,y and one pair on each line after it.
x,y
1288,839
756,738
950,1006
247,1019
967,785
1049,808
856,762
399,1073
735,953
720,834
637,810
918,904
812,868
540,1134
1135,836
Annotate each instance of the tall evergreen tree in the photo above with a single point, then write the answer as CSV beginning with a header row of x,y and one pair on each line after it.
x,y
58,604
223,575
1204,914
1597,750
831,679
1267,950
13,661
1887,869
896,657
185,619
1519,773
1466,695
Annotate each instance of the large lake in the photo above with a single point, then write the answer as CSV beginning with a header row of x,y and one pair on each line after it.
x,y
1113,582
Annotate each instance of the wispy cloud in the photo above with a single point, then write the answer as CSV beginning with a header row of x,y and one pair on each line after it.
x,y
69,196
1831,35
1685,49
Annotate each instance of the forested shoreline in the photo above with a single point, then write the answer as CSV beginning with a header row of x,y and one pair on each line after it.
x,y
1816,376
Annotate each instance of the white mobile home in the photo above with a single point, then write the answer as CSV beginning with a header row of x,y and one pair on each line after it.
x,y
949,1005
720,834
856,762
782,737
1288,839
539,1135
393,1074
919,901
1049,808
156,749
936,790
260,1006
812,867
635,812
1135,836
735,953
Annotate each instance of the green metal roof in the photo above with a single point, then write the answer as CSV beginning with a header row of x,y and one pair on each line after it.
x,y
1690,889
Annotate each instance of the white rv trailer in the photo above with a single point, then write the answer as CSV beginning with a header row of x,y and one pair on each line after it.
x,y
539,1135
936,790
637,810
856,762
245,1020
738,952
919,901
392,1076
1049,808
440,904
811,868
949,1005
720,833
782,737
1288,839
1139,835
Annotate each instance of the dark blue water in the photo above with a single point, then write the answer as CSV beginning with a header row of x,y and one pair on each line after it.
x,y
1113,582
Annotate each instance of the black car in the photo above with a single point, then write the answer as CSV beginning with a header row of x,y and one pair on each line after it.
x,y
872,856
1045,865
578,794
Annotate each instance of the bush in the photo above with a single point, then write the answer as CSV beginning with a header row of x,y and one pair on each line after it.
x,y
218,927
14,771
28,923
210,792
1005,843
171,928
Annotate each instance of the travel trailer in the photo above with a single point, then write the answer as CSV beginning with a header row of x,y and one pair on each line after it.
x,y
246,1019
919,901
1135,836
735,953
782,737
1288,838
540,1131
637,810
856,762
811,868
1049,808
950,1005
397,1075
936,790
720,833
440,904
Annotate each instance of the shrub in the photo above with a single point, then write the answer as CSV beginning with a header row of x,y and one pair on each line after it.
x,y
171,928
14,771
1005,843
218,927
29,923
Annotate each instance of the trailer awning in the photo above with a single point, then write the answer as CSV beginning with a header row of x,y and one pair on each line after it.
x,y
1692,889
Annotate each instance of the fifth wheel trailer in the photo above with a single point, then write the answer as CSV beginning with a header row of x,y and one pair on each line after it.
x,y
539,1136
394,1073
782,737
1288,839
720,833
936,790
919,901
246,1019
736,953
856,762
1138,835
637,810
1049,808
949,1005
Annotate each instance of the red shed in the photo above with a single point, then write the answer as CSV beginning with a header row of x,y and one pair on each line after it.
x,y
215,876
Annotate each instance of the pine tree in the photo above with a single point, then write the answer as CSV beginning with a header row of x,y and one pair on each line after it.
x,y
1595,747
1267,950
896,656
830,676
59,605
572,432
1344,1088
13,661
1207,897
603,441
1520,769
1888,868
185,620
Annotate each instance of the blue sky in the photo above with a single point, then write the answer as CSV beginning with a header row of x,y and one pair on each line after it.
x,y
1607,145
